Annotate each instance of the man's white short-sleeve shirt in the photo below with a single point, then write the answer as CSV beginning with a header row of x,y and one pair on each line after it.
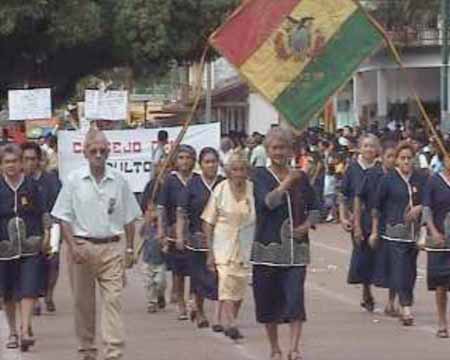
x,y
97,210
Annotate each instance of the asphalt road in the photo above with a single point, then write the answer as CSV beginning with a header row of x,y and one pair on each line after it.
x,y
337,329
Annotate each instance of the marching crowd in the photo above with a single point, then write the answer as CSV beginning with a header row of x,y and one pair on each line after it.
x,y
218,216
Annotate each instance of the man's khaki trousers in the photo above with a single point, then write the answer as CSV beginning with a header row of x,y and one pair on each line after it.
x,y
104,265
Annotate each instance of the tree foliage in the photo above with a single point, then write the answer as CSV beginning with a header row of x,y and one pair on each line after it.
x,y
57,42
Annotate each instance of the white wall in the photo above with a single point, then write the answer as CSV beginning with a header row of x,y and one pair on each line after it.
x,y
425,81
261,114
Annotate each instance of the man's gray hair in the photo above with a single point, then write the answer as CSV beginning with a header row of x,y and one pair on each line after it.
x,y
10,149
93,135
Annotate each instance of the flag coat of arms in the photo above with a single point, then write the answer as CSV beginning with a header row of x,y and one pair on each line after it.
x,y
298,53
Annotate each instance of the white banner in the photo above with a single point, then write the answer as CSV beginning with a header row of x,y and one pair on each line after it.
x,y
131,150
30,104
109,105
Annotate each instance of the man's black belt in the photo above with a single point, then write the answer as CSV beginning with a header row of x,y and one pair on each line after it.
x,y
100,241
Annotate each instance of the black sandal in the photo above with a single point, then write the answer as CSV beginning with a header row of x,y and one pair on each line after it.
x,y
407,321
50,304
25,344
368,304
203,324
442,334
13,342
233,333
217,328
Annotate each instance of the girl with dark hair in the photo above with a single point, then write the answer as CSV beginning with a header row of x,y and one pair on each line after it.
x,y
193,201
168,210
399,204
366,197
436,215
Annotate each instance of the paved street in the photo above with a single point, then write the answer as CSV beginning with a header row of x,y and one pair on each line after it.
x,y
336,330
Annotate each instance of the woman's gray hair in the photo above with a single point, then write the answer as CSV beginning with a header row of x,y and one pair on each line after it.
x,y
371,137
238,157
279,133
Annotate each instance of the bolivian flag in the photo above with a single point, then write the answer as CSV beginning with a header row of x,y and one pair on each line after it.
x,y
297,53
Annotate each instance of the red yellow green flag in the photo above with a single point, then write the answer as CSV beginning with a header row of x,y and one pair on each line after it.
x,y
297,53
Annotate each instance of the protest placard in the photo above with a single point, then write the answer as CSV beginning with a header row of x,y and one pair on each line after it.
x,y
106,105
30,104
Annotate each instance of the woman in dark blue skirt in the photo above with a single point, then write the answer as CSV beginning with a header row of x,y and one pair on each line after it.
x,y
399,202
436,204
22,210
286,209
367,197
363,257
168,205
193,201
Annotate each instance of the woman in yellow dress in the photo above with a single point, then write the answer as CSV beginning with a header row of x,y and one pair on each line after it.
x,y
229,221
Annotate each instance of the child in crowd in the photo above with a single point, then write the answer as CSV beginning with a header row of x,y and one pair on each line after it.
x,y
329,193
154,268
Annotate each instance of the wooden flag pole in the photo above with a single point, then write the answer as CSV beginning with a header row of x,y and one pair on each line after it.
x,y
171,156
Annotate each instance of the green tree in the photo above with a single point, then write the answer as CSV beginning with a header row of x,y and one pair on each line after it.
x,y
57,42
194,21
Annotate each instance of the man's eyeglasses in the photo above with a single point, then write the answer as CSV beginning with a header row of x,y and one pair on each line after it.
x,y
102,151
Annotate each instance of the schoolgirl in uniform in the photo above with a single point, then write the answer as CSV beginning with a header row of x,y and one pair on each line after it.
x,y
399,203
366,197
363,257
167,207
436,213
193,200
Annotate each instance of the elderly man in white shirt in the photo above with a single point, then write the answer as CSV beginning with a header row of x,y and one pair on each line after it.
x,y
96,207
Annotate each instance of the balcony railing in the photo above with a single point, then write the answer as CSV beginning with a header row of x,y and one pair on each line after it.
x,y
417,35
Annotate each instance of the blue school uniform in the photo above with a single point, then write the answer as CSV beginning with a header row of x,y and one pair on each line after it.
x,y
436,200
49,187
396,194
21,234
362,262
368,195
280,258
194,201
168,199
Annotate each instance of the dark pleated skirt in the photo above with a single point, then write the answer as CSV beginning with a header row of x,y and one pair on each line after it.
x,y
438,270
177,261
279,293
203,282
362,264
48,265
381,271
403,270
21,278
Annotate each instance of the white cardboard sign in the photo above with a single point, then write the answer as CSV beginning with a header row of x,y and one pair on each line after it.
x,y
109,105
30,104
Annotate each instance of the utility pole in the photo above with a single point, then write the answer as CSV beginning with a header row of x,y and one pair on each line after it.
x,y
445,124
208,102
